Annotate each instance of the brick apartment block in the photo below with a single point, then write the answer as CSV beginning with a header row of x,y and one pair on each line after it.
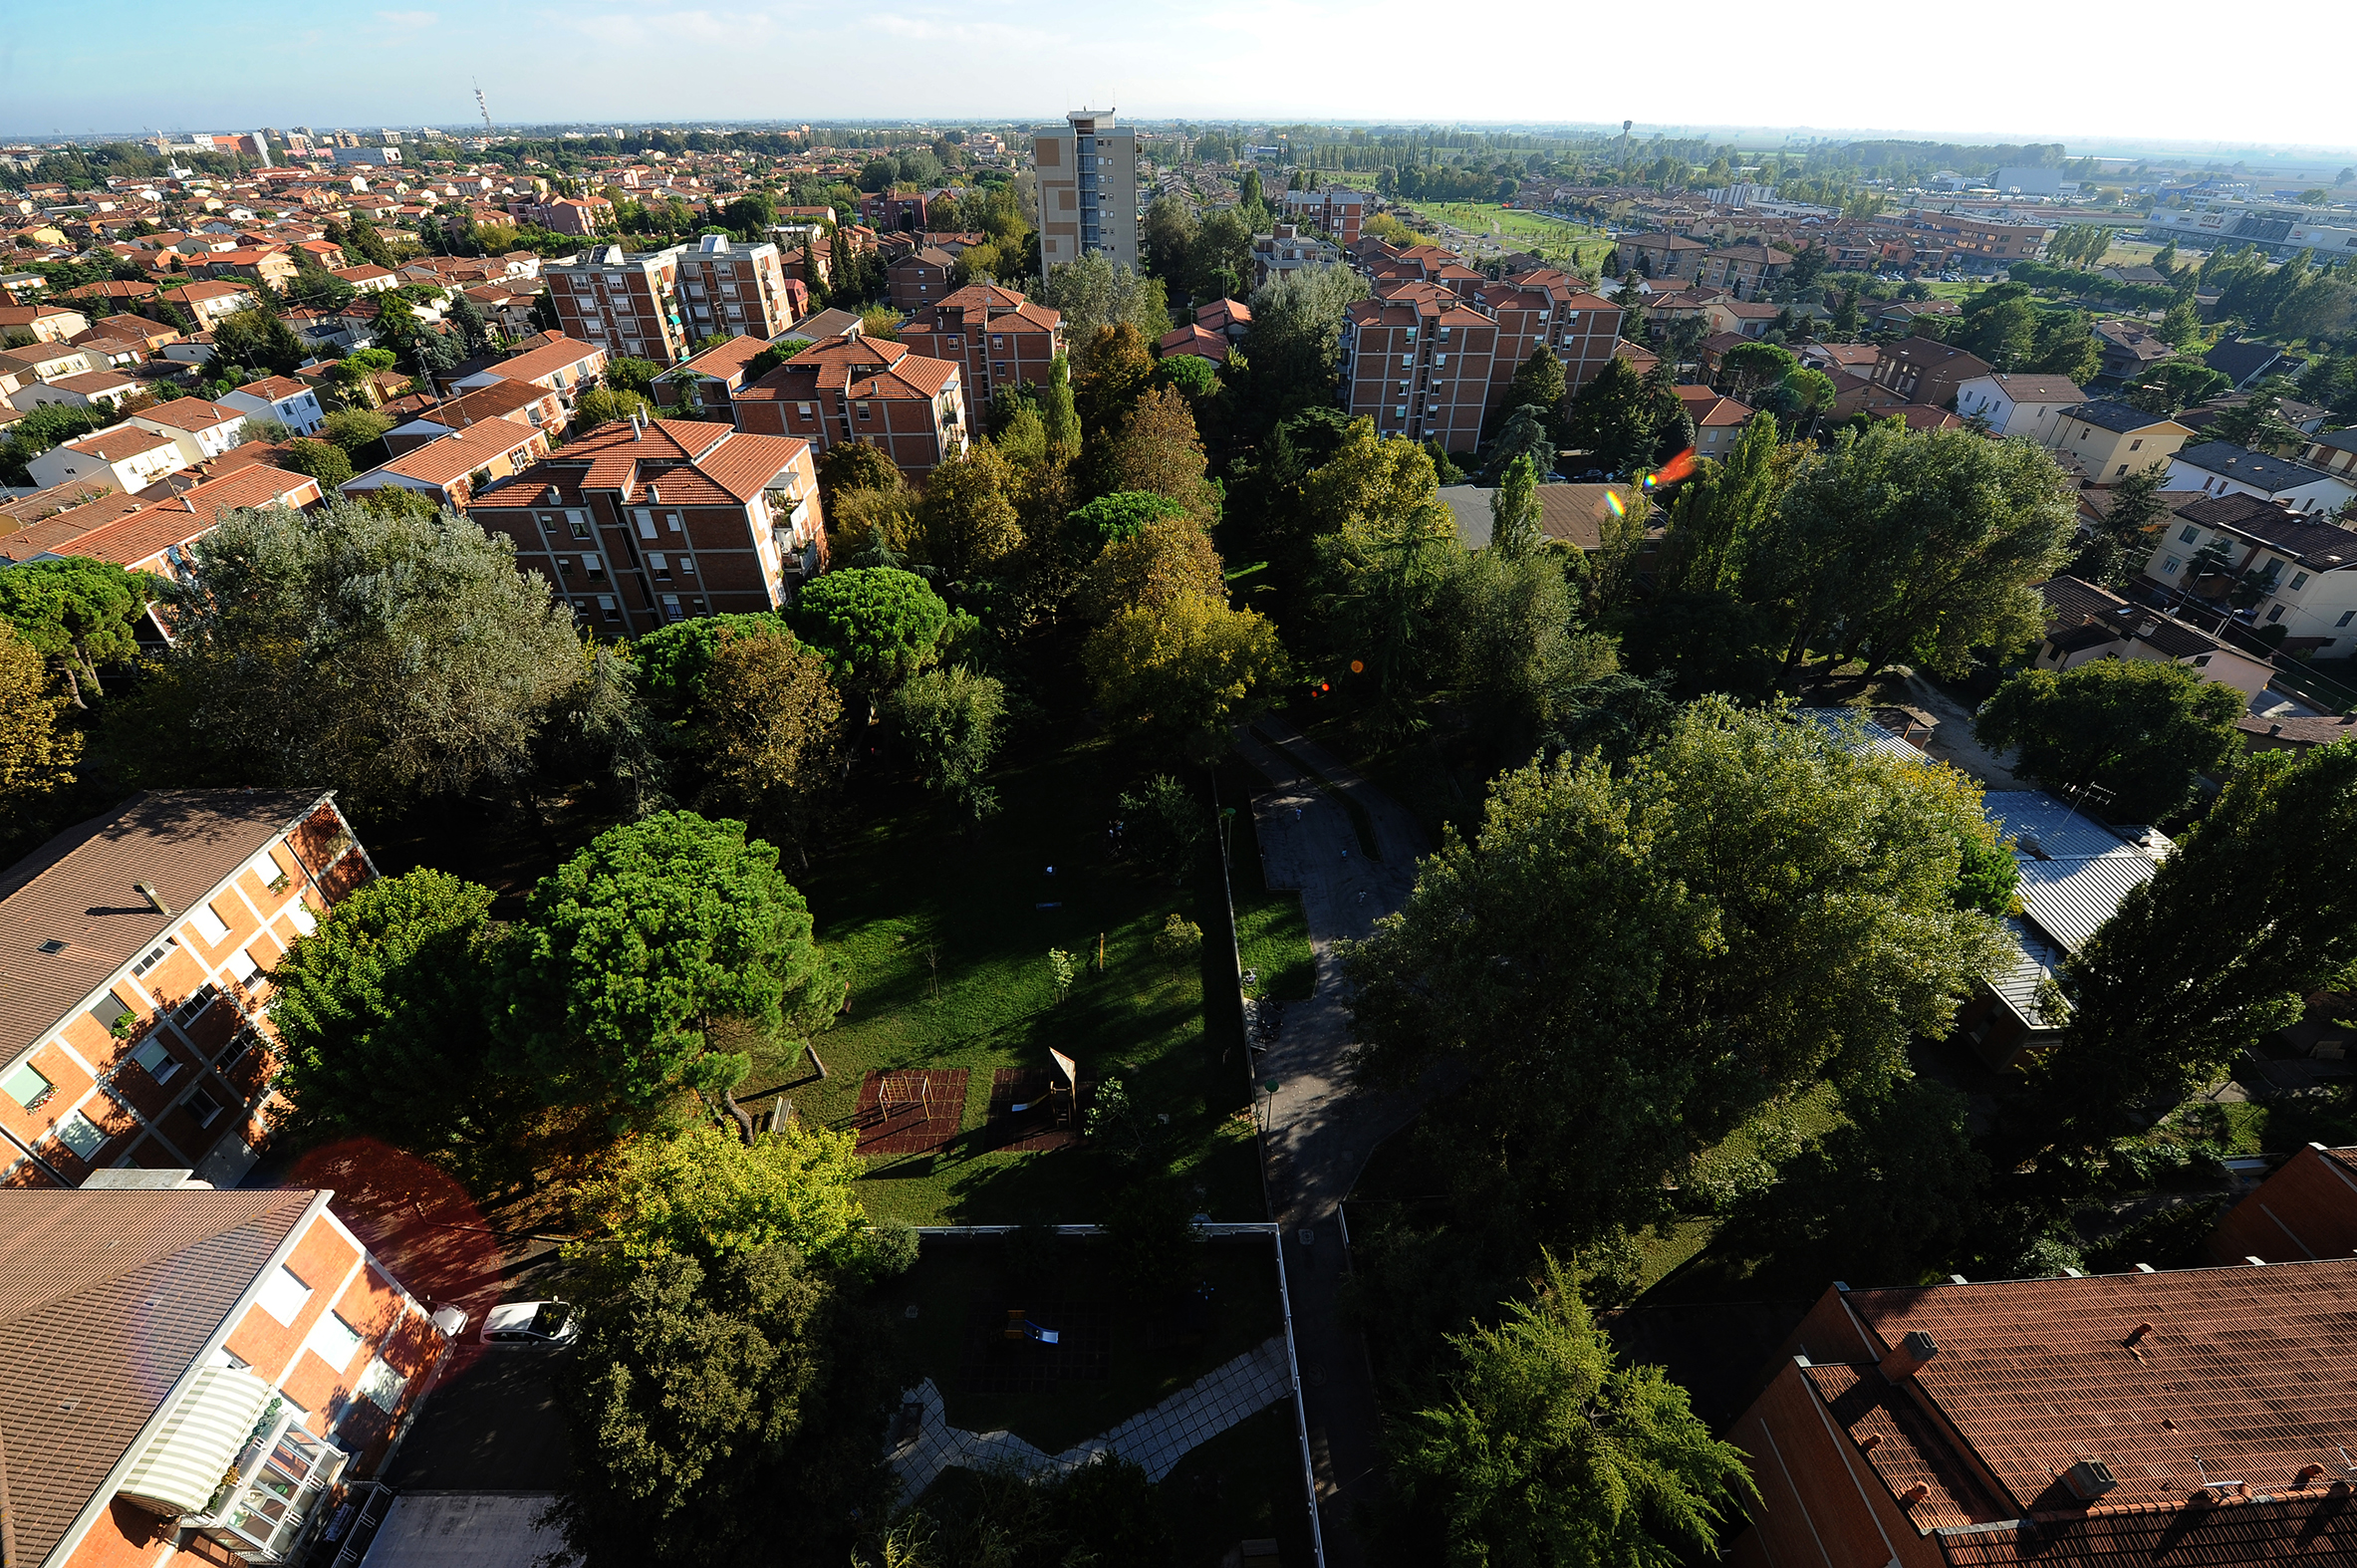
x,y
997,336
194,1377
140,944
656,305
853,387
919,278
1417,363
639,524
2194,1416
1746,269
1550,308
1341,213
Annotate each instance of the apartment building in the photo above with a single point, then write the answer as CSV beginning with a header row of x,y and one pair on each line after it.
x,y
853,387
128,457
735,288
194,1376
996,336
640,523
1419,364
1922,370
1288,248
1746,269
2187,1414
2304,567
1548,308
623,302
1339,213
139,945
919,278
2106,440
1661,255
2226,469
1088,189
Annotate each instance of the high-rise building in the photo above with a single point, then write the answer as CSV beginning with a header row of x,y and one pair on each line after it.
x,y
1088,189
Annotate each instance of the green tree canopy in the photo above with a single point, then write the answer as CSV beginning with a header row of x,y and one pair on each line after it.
x,y
951,720
1186,669
1538,382
78,614
711,1196
37,752
1555,1453
876,623
855,465
632,949
967,524
1631,961
2140,728
1109,519
322,460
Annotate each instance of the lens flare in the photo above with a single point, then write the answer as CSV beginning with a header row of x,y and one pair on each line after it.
x,y
1612,498
1675,469
1358,668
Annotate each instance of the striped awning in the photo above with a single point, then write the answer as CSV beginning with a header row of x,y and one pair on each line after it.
x,y
190,1456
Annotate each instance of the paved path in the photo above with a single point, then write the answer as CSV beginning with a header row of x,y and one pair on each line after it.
x,y
1320,1132
1154,1440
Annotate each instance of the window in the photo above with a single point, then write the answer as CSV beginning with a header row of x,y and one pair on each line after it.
x,y
579,523
2190,534
332,1341
154,959
208,925
606,605
863,411
80,1134
156,1061
593,568
2276,613
283,1296
671,606
202,1105
2135,444
242,968
659,565
304,920
2299,579
2123,469
645,525
2169,566
110,1010
265,868
687,566
27,1087
193,1008
382,1385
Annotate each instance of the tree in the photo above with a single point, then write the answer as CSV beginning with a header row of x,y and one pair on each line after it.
x,y
636,947
1186,669
2138,727
1058,410
1110,519
1610,419
1295,343
603,406
1094,292
1514,511
355,428
1168,556
1511,647
966,525
37,754
1919,545
949,719
2122,538
322,460
1120,369
385,1016
473,331
392,655
855,465
1166,824
2179,384
2214,953
1392,545
1159,452
1552,1453
765,729
876,625
78,614
711,1196
1631,961
1751,366
1720,511
1538,382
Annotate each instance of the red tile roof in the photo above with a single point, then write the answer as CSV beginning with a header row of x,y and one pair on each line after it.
x,y
857,367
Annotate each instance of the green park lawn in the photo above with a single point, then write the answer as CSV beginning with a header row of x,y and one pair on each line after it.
x,y
945,933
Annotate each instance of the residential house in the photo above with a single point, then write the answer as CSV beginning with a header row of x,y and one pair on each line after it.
x,y
524,404
2335,455
639,524
106,389
2305,1210
207,303
267,265
2018,405
1856,358
452,468
2073,873
1719,421
1200,341
279,397
997,336
2243,361
1748,321
1337,211
2129,349
2107,439
707,381
369,278
919,278
2296,733
581,215
126,456
136,1017
203,430
909,406
2145,1417
556,362
1661,255
1233,318
2303,568
2223,468
1899,316
2086,622
1922,370
47,323
1746,269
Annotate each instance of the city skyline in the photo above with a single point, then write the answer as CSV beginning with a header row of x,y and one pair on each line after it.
x,y
417,65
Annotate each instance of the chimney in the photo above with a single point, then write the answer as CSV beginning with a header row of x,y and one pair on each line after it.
x,y
2089,1479
154,900
2137,1333
1909,1354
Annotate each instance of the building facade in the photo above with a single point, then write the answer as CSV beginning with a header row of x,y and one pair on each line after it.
x,y
854,387
1339,213
136,1015
1088,189
1419,364
993,334
625,302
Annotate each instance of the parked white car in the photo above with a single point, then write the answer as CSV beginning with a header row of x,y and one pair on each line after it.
x,y
532,1323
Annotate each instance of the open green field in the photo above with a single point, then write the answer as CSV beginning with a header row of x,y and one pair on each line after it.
x,y
962,1291
946,930
1486,217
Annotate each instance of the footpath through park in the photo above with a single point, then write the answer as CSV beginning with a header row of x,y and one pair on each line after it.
x,y
1321,1132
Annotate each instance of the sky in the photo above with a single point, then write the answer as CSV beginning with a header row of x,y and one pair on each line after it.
x,y
2002,72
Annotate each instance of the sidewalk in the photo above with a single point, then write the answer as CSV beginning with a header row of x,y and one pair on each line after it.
x,y
1320,1130
1154,1440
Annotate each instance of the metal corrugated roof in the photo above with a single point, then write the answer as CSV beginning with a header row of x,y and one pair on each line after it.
x,y
2071,899
2036,960
2060,829
1840,722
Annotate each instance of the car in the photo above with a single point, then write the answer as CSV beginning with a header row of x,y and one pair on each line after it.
x,y
531,1323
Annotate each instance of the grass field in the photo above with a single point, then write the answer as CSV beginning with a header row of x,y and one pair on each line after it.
x,y
945,931
962,1289
1272,934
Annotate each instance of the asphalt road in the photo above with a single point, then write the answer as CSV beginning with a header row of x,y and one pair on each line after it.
x,y
490,1425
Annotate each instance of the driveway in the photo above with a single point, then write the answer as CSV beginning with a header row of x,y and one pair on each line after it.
x,y
1952,739
1320,1130
490,1425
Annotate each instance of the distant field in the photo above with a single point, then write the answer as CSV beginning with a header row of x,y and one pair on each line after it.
x,y
1484,217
